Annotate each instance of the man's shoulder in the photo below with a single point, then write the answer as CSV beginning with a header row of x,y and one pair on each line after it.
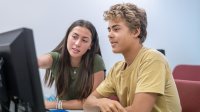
x,y
152,54
118,65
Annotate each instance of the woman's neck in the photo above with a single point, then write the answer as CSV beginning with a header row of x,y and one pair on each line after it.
x,y
75,62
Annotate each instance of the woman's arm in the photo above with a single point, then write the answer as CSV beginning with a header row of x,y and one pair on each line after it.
x,y
45,61
98,78
76,104
66,104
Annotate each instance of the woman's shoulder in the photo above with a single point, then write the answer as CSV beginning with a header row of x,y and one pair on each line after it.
x,y
54,53
98,63
55,57
98,57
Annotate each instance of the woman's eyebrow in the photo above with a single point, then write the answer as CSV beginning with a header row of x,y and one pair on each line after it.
x,y
74,33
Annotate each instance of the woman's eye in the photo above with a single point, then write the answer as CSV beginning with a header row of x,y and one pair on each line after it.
x,y
75,37
85,41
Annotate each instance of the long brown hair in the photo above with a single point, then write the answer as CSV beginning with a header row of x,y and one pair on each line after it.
x,y
85,76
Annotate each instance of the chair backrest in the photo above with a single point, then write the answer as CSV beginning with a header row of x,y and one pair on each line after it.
x,y
187,72
189,93
114,97
162,51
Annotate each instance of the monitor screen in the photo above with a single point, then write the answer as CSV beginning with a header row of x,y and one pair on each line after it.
x,y
19,74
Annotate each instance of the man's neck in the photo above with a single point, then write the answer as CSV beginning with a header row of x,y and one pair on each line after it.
x,y
130,55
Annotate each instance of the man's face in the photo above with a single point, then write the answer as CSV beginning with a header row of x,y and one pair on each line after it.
x,y
120,37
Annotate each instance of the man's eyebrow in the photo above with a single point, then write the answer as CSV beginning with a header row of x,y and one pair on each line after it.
x,y
113,26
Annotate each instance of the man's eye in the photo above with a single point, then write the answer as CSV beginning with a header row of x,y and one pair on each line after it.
x,y
116,29
109,29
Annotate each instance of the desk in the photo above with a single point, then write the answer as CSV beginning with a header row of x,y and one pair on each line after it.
x,y
66,110
75,110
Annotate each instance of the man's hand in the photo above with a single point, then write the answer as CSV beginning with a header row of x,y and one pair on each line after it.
x,y
107,105
95,103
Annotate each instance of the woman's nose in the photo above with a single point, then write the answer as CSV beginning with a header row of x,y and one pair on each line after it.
x,y
78,42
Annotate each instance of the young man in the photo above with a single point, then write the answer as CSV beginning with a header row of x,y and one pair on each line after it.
x,y
143,82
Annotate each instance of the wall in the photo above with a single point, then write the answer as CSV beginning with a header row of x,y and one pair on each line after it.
x,y
172,25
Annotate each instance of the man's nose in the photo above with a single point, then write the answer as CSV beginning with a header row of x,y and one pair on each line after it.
x,y
110,35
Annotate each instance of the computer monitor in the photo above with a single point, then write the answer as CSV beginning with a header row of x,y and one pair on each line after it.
x,y
19,74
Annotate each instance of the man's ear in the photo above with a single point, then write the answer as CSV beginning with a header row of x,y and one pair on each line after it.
x,y
136,33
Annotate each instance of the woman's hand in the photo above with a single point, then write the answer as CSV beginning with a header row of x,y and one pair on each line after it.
x,y
50,105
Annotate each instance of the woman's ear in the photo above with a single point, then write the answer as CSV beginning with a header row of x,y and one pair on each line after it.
x,y
90,46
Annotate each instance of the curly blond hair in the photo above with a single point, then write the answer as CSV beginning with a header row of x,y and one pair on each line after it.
x,y
134,17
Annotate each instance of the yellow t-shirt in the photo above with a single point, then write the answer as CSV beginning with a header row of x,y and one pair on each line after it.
x,y
149,72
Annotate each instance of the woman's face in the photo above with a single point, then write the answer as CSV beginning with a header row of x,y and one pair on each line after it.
x,y
79,41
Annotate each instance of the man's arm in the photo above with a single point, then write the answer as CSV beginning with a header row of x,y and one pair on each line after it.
x,y
95,103
143,102
90,104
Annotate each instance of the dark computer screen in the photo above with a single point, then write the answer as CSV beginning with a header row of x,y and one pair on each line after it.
x,y
19,74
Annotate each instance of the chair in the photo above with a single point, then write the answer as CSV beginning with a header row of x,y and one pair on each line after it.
x,y
189,93
162,51
114,97
187,72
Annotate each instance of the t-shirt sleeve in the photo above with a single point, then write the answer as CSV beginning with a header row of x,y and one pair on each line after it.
x,y
150,78
98,64
55,56
107,87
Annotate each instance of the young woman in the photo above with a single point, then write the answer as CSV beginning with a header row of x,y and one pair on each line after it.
x,y
75,65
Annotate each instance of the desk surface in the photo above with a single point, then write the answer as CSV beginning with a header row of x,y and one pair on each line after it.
x,y
54,110
75,110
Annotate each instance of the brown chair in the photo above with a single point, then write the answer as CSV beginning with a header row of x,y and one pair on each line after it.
x,y
189,93
187,72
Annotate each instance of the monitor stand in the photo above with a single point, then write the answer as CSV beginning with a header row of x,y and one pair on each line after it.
x,y
4,102
8,104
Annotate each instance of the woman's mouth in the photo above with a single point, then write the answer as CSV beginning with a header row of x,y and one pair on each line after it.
x,y
75,50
